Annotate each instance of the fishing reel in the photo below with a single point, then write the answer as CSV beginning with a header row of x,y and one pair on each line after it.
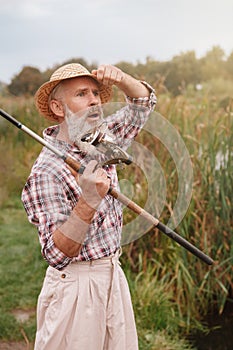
x,y
103,141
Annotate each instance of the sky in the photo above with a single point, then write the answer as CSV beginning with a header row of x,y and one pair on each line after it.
x,y
43,33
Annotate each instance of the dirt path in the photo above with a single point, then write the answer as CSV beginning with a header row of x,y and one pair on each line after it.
x,y
15,346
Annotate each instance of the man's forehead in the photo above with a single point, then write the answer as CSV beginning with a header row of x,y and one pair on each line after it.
x,y
81,82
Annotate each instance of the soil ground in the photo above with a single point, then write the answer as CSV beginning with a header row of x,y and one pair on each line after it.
x,y
15,346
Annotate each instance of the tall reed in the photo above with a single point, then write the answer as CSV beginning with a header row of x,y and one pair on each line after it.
x,y
162,274
195,288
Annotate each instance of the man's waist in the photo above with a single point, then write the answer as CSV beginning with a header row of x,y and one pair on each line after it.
x,y
98,260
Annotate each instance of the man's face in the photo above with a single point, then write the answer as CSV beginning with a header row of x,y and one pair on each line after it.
x,y
80,93
81,102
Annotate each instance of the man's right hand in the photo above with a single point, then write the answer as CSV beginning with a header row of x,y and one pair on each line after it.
x,y
94,183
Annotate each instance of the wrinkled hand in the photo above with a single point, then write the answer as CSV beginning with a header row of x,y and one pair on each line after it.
x,y
94,184
109,75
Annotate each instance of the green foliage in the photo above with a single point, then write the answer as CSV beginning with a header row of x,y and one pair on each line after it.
x,y
229,65
17,150
26,82
197,289
21,272
173,76
172,290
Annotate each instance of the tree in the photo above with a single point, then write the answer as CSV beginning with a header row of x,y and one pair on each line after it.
x,y
26,82
229,66
212,64
181,71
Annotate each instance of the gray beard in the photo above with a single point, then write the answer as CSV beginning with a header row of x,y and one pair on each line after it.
x,y
79,125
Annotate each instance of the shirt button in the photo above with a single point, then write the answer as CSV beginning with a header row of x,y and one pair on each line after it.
x,y
63,275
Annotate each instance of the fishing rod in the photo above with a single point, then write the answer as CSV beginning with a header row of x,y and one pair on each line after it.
x,y
114,193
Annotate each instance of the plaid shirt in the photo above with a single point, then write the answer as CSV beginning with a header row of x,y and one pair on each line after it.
x,y
51,191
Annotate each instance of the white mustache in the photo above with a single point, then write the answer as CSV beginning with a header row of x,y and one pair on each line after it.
x,y
80,123
95,109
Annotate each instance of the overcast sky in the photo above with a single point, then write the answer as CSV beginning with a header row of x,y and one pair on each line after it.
x,y
43,33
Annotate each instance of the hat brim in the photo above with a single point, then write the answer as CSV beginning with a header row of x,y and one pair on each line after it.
x,y
43,93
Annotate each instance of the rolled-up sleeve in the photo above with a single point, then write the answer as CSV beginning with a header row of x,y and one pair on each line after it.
x,y
46,205
147,102
127,122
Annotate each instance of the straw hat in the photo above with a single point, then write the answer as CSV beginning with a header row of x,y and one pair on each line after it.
x,y
67,71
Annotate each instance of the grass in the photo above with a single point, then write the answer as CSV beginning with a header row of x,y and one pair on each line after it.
x,y
21,272
171,289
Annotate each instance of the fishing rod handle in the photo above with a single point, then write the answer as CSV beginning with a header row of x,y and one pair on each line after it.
x,y
74,164
184,243
160,226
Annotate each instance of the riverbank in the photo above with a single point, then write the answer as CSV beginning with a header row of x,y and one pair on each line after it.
x,y
220,336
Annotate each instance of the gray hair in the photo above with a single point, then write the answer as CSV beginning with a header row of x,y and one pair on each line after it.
x,y
55,92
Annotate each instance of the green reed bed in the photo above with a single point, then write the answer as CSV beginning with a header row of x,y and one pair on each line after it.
x,y
196,289
172,290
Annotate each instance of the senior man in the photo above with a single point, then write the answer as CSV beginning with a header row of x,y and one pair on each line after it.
x,y
85,301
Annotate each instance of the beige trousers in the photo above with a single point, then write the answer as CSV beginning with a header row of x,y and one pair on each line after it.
x,y
87,306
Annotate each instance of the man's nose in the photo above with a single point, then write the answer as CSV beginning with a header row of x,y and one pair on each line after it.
x,y
94,99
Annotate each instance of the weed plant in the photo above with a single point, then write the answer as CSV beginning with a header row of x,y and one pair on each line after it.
x,y
172,290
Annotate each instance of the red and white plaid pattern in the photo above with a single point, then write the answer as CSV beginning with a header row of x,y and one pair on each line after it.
x,y
51,192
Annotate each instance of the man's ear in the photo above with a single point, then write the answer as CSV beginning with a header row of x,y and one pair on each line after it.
x,y
57,108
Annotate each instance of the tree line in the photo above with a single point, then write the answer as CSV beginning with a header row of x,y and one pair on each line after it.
x,y
167,76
